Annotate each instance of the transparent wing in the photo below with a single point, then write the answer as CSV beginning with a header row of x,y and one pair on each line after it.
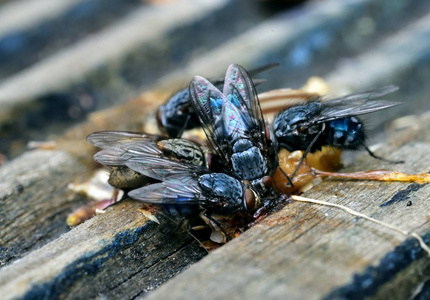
x,y
179,182
106,139
208,101
366,95
120,153
240,89
233,114
355,104
332,113
163,169
171,192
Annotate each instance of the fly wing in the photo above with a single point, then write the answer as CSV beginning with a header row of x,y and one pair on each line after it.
x,y
106,139
163,169
120,153
208,104
355,104
171,192
252,73
179,182
339,112
366,95
240,91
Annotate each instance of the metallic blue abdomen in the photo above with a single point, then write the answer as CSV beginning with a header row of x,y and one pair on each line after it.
x,y
346,133
247,161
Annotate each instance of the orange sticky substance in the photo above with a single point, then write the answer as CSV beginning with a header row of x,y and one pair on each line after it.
x,y
328,159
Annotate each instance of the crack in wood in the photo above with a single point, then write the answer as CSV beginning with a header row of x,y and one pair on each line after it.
x,y
368,283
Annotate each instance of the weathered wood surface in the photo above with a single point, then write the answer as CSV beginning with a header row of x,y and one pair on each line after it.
x,y
302,251
36,201
120,255
34,187
307,251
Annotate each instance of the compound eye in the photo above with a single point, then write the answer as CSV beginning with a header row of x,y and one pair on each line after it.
x,y
250,199
267,133
267,181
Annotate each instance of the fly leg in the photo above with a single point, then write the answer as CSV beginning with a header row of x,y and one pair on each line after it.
x,y
304,155
381,158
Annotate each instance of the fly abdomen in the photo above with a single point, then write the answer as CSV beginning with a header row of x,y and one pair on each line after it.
x,y
346,133
247,161
182,210
183,150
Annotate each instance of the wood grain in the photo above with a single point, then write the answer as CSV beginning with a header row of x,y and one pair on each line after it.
x,y
307,251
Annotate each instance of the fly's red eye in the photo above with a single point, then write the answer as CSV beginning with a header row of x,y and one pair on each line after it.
x,y
249,199
267,181
267,131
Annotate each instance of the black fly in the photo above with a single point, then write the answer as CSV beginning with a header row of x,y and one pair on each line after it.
x,y
187,184
234,125
176,168
333,122
177,114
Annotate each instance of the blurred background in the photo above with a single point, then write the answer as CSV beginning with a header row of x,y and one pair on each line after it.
x,y
61,60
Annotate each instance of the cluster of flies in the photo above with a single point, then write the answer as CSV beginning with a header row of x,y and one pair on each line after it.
x,y
234,171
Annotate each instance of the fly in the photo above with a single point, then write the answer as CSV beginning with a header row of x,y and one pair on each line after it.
x,y
184,184
233,123
177,114
334,122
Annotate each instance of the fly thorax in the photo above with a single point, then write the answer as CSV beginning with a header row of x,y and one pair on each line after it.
x,y
247,160
223,187
292,127
183,150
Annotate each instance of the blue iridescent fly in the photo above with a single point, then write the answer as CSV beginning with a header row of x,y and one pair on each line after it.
x,y
191,185
180,180
234,125
332,122
177,114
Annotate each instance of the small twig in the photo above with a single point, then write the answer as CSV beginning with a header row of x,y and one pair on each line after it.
x,y
360,215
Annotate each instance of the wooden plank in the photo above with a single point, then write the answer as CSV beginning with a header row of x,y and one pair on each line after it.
x,y
312,40
109,77
34,214
35,200
34,187
307,251
35,30
18,15
116,253
78,61
109,254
